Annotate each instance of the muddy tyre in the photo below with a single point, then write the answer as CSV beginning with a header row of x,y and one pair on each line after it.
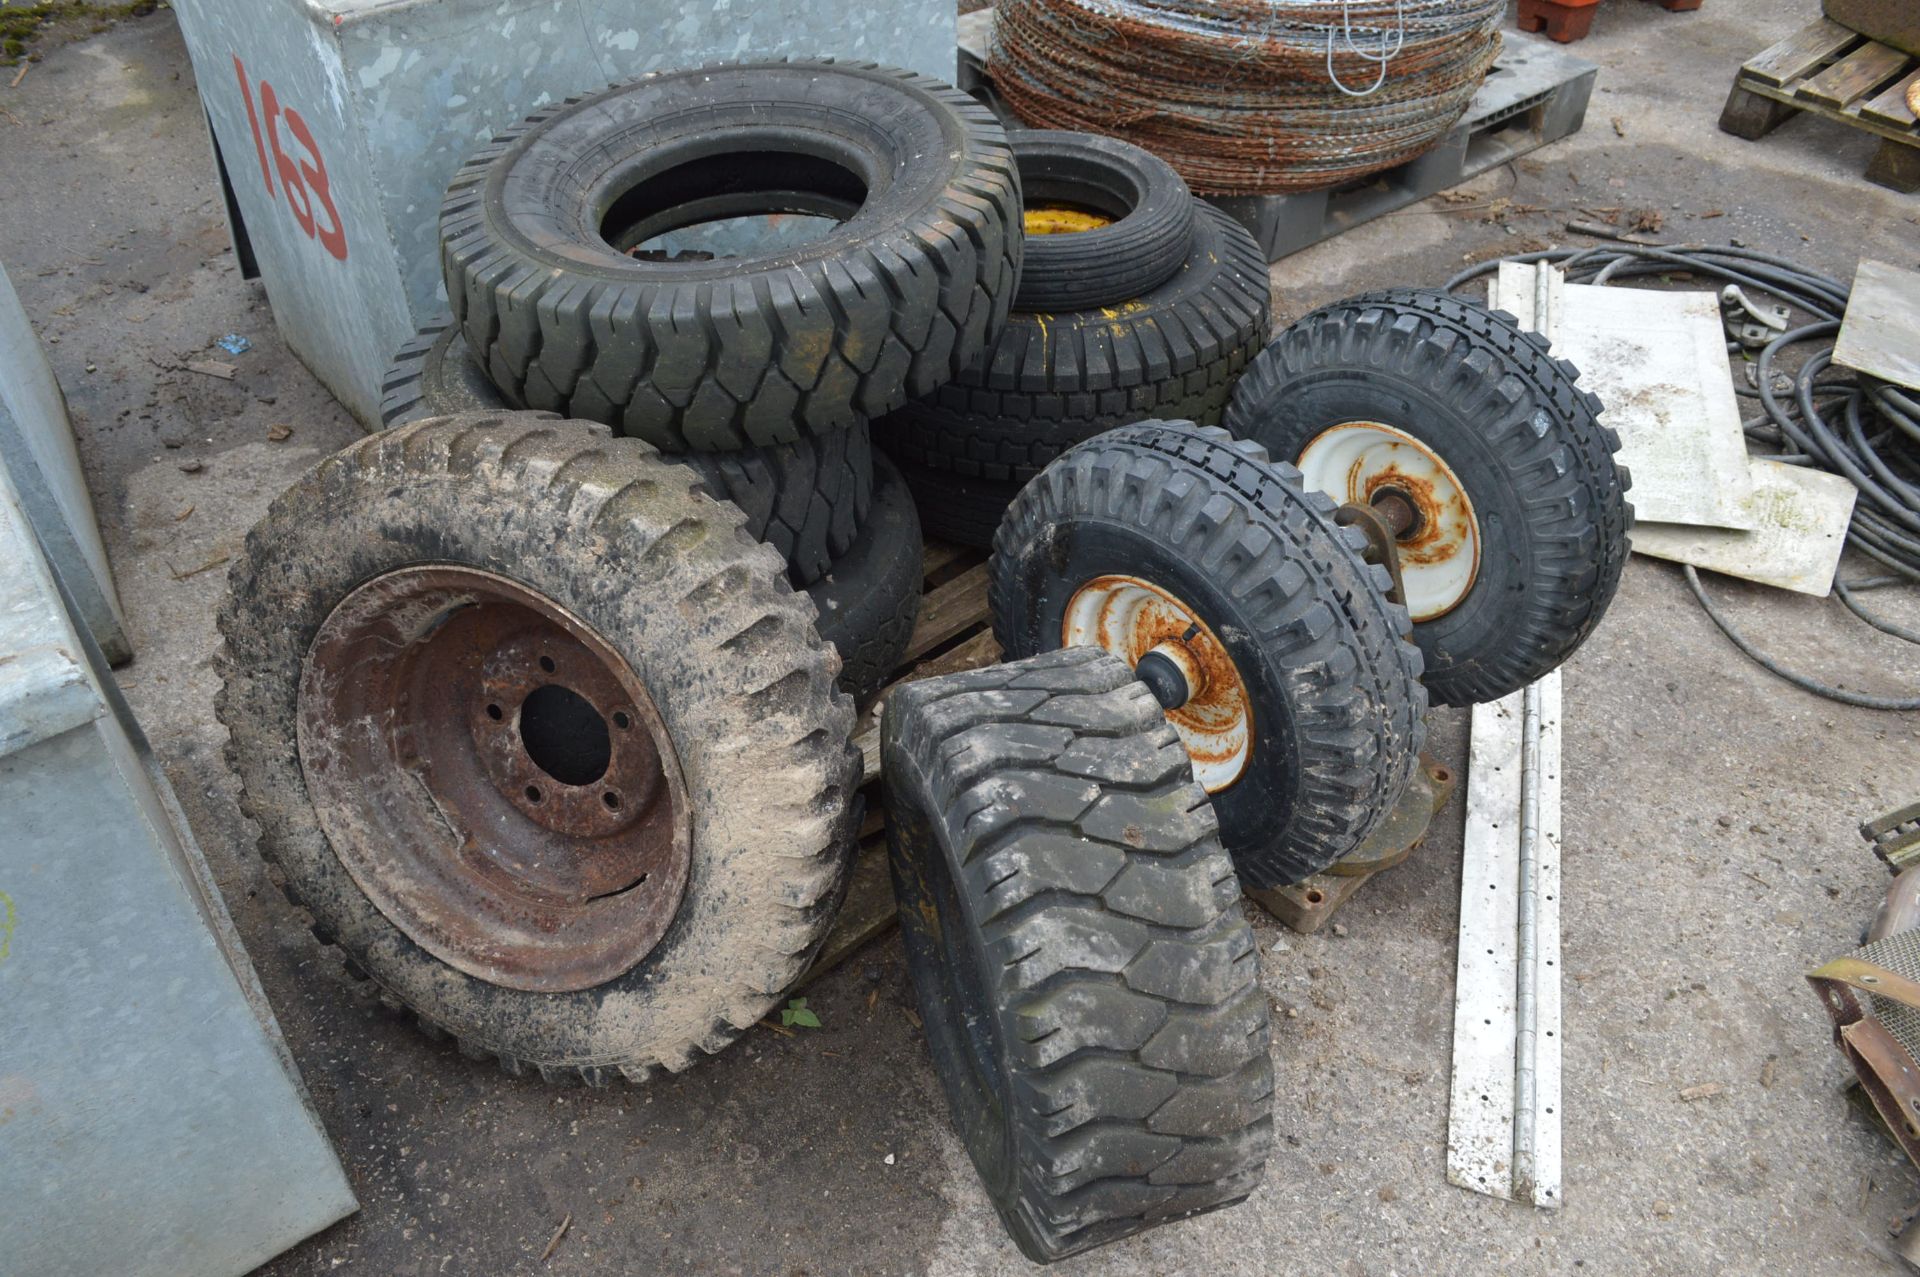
x,y
807,499
1140,232
482,678
1520,512
729,353
869,600
1298,700
1073,929
1050,381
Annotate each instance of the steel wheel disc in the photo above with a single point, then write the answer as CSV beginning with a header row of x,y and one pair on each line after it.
x,y
1366,462
1130,617
494,777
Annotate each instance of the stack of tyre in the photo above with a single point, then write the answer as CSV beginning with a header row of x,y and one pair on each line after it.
x,y
760,372
1136,301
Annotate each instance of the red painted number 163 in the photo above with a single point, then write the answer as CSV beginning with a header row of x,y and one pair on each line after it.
x,y
304,180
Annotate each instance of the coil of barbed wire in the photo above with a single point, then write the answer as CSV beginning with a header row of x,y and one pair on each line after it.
x,y
1248,97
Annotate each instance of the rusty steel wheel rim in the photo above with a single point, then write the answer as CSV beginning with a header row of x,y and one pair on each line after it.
x,y
1436,530
494,777
1131,618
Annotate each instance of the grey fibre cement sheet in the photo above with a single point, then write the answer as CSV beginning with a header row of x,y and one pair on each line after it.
x,y
1880,334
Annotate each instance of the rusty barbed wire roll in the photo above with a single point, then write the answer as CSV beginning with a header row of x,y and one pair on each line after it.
x,y
1248,97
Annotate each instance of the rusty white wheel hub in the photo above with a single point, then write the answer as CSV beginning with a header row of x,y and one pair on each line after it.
x,y
1437,531
1134,619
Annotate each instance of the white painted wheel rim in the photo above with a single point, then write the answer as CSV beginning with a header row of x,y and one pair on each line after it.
x,y
1130,617
1440,557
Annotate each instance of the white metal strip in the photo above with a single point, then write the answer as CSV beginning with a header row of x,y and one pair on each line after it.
x,y
1548,1037
1503,1134
1480,1119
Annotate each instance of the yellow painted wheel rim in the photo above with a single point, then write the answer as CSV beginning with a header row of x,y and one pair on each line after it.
x,y
1062,219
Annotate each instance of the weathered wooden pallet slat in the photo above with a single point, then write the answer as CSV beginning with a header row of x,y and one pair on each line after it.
x,y
1853,77
1890,108
1800,54
1829,71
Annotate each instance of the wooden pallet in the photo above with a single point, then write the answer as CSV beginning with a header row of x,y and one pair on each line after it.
x,y
1830,71
1536,93
953,634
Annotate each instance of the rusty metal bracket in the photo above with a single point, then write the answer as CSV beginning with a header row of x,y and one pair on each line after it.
x,y
1307,906
1382,546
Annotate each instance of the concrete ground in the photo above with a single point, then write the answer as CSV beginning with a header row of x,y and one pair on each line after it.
x,y
1709,809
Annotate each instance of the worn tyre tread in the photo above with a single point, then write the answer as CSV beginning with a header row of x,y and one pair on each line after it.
x,y
868,600
1050,381
1141,1086
884,322
807,499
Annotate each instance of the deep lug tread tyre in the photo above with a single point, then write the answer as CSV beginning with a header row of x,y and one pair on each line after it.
x,y
1052,380
869,599
1524,439
1337,705
1059,872
1147,240
431,376
744,351
807,499
729,653
956,508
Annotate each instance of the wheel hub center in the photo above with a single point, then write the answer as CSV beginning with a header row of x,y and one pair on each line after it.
x,y
1401,512
547,723
1182,662
1417,498
494,777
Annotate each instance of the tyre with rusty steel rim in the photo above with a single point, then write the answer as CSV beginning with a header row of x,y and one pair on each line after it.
x,y
1483,455
513,703
1247,611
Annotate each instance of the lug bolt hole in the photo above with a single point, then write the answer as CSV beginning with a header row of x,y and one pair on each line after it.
x,y
533,793
493,712
621,720
546,663
611,799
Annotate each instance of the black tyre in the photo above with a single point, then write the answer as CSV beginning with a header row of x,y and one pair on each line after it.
x,y
1086,977
1105,220
1052,380
432,376
869,600
807,499
1519,516
956,508
724,354
1303,709
514,704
